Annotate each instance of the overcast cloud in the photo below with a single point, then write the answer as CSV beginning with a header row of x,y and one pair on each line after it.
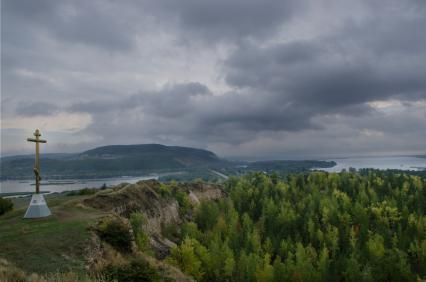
x,y
245,79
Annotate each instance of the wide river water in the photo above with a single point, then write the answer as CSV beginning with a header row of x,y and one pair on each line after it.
x,y
402,163
20,186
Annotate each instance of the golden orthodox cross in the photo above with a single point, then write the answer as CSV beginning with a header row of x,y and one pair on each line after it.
x,y
37,140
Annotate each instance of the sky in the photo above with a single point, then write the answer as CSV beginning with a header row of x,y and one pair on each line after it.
x,y
267,79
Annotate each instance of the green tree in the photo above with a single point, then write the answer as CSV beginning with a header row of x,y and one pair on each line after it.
x,y
184,257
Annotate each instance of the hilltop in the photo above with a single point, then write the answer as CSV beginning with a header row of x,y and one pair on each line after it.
x,y
74,240
180,155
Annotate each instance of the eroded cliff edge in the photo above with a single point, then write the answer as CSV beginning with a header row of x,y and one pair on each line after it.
x,y
164,206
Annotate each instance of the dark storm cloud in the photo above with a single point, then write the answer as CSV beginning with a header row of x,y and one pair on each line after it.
x,y
94,23
171,101
267,76
334,73
36,109
396,28
190,110
223,19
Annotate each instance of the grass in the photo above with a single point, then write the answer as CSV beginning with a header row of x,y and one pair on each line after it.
x,y
53,244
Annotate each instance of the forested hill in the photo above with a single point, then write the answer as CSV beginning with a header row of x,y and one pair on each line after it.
x,y
137,160
112,160
156,153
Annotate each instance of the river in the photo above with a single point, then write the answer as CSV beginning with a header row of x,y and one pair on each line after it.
x,y
21,186
401,162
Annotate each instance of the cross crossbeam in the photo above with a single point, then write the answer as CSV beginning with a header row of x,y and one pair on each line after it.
x,y
35,140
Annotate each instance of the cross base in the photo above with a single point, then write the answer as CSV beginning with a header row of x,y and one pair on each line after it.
x,y
38,207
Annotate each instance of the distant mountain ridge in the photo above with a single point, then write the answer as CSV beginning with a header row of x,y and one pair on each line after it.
x,y
182,163
112,160
147,150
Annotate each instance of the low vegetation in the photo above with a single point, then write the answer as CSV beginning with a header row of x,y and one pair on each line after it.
x,y
11,273
138,220
6,205
115,232
84,191
54,244
134,271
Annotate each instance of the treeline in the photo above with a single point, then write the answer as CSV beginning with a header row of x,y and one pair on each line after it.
x,y
420,173
309,227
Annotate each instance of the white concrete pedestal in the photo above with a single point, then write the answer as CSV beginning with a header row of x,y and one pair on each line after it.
x,y
38,207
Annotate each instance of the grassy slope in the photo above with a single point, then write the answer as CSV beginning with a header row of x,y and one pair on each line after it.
x,y
53,244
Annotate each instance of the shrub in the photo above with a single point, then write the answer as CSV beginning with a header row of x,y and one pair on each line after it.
x,y
136,270
170,231
198,181
138,219
5,205
142,241
82,192
184,202
117,234
164,190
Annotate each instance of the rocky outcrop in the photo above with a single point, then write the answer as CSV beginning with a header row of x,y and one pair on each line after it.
x,y
202,191
160,207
